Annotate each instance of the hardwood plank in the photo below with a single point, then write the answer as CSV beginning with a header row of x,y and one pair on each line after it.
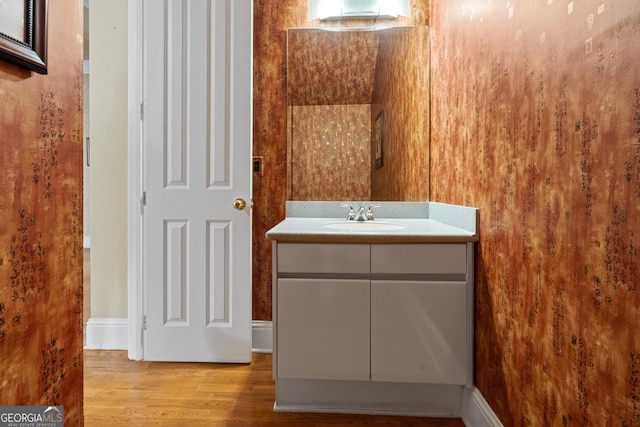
x,y
121,392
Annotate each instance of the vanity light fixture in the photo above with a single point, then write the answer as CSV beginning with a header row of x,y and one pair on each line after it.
x,y
334,10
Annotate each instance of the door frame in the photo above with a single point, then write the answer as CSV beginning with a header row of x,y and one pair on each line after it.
x,y
135,146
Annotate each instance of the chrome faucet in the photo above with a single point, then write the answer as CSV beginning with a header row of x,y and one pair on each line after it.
x,y
351,214
363,214
370,212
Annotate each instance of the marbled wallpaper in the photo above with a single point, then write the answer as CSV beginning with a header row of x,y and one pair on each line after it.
x,y
330,155
41,229
271,21
536,121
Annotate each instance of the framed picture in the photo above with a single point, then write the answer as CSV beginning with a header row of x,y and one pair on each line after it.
x,y
378,139
23,33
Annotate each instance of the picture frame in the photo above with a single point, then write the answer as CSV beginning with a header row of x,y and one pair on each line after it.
x,y
378,139
23,33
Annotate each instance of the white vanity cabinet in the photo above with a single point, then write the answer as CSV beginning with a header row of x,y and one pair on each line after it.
x,y
382,328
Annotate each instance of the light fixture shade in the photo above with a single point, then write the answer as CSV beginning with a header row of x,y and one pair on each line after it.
x,y
357,9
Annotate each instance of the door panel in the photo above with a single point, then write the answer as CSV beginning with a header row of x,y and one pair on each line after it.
x,y
175,293
197,157
218,272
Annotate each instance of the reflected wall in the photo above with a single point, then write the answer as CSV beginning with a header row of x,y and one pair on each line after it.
x,y
333,77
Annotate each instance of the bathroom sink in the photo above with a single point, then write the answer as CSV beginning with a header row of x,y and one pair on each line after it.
x,y
364,226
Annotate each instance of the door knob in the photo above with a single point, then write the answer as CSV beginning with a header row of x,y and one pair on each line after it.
x,y
239,203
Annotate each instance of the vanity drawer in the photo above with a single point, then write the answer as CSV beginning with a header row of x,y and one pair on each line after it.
x,y
323,258
431,258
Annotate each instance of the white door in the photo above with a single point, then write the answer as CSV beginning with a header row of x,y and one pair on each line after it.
x,y
197,157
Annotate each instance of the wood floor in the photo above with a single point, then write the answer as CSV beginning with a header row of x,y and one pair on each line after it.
x,y
120,392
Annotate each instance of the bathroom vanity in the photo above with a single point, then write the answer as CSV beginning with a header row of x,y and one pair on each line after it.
x,y
373,316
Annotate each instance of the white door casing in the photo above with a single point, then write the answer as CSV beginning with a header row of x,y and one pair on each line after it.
x,y
197,59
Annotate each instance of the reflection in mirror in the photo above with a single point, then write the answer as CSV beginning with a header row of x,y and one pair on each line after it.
x,y
338,82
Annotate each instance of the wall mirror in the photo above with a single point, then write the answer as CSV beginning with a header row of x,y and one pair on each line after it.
x,y
358,114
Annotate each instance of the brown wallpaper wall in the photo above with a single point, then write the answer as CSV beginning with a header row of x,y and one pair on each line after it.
x,y
41,227
271,20
330,67
536,121
401,90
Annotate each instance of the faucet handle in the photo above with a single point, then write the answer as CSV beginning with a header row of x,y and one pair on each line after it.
x,y
370,212
351,214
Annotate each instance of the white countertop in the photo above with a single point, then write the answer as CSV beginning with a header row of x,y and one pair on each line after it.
x,y
421,230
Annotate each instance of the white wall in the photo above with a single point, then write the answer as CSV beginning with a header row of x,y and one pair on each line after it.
x,y
85,127
86,229
108,171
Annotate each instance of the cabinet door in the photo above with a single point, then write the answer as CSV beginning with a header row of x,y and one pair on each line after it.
x,y
419,332
323,329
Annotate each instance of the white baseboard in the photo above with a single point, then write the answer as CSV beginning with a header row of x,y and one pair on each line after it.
x,y
106,334
262,336
112,334
476,412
